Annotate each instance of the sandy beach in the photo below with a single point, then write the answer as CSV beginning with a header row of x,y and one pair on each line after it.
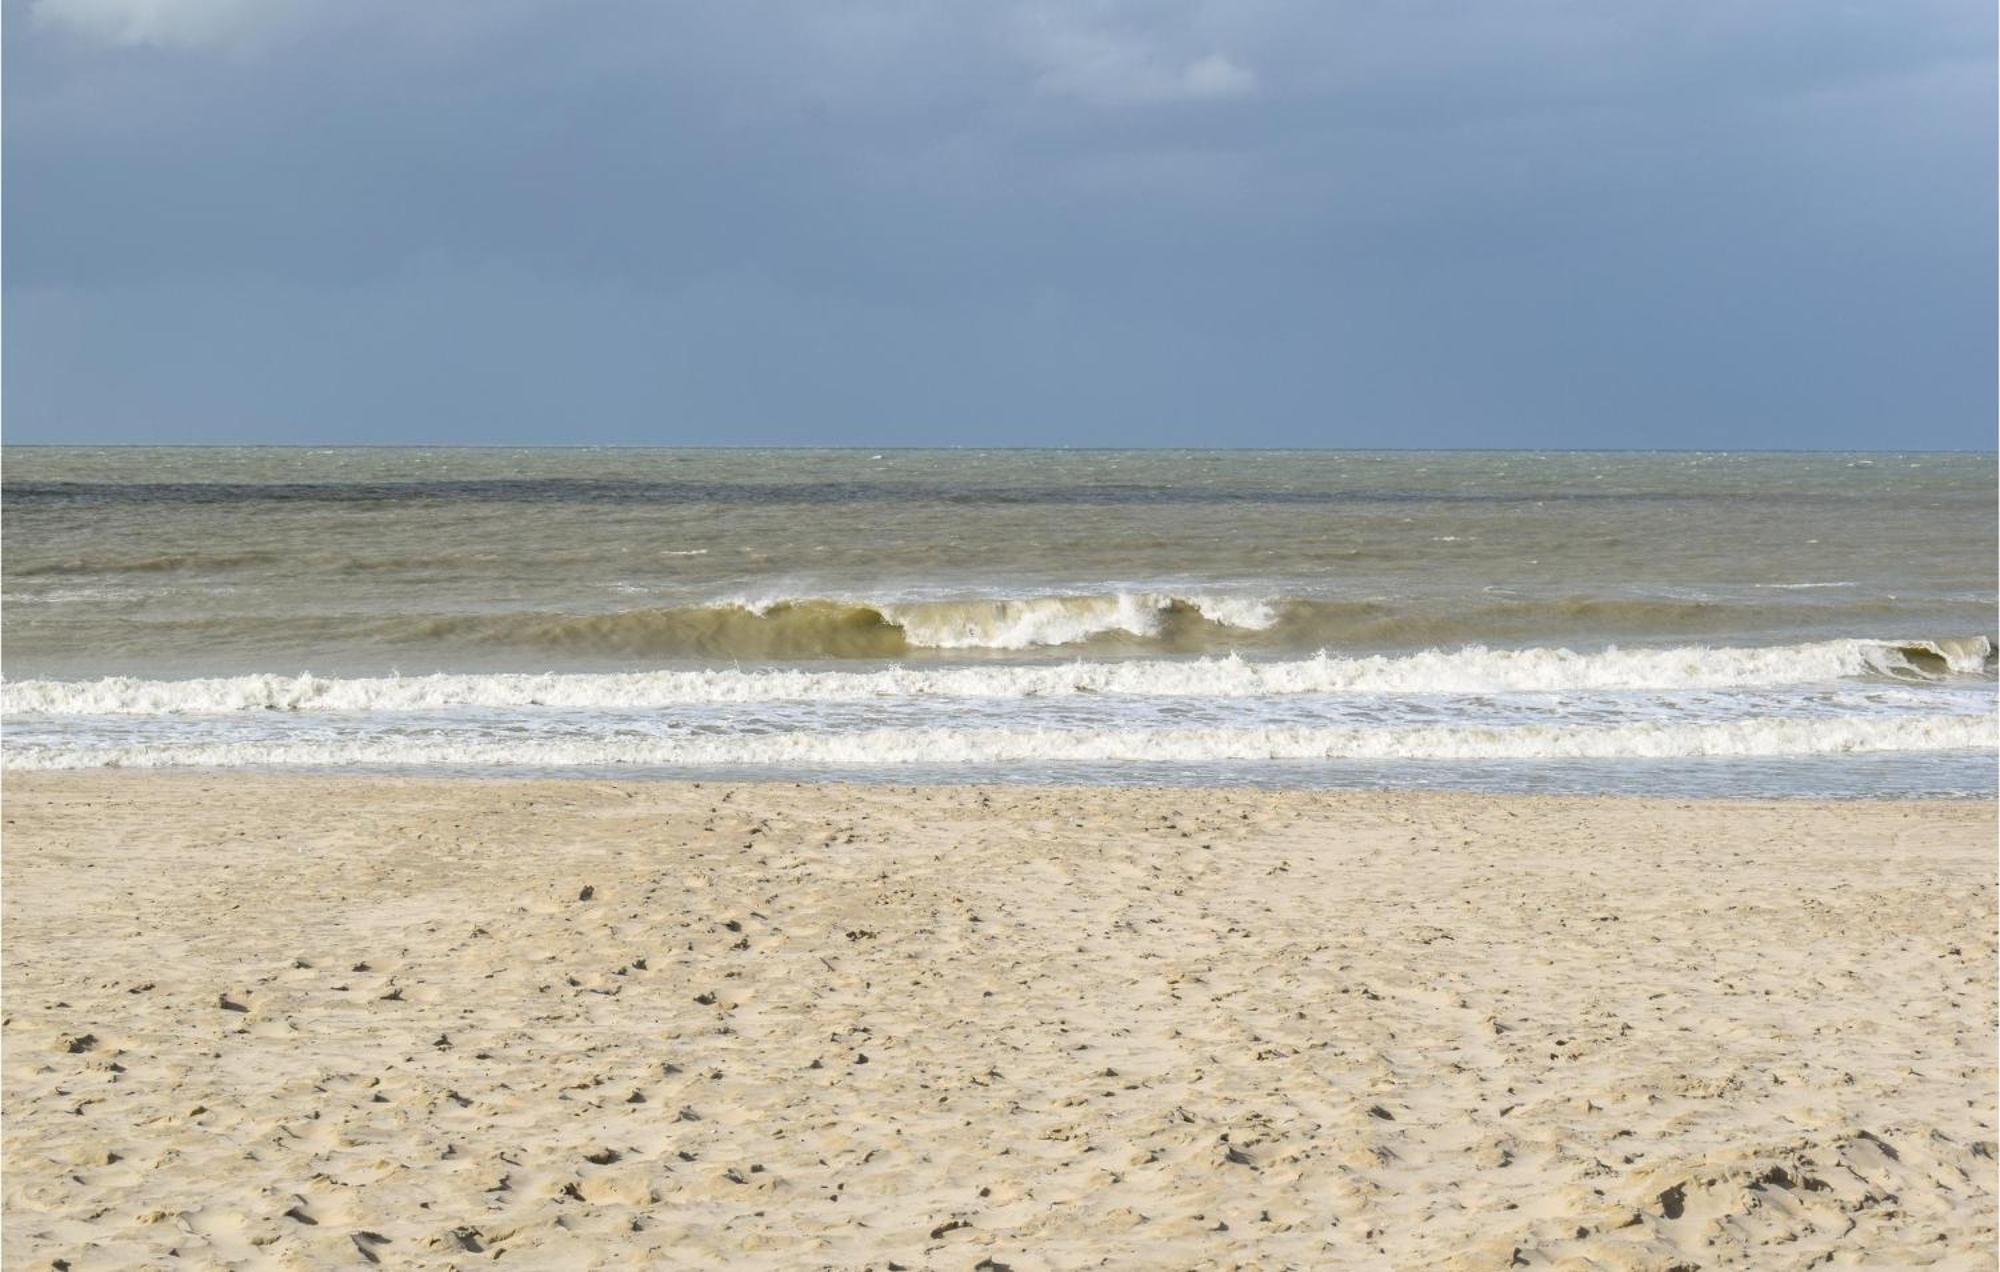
x,y
263,1021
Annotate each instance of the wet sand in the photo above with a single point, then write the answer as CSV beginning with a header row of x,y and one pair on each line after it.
x,y
288,1022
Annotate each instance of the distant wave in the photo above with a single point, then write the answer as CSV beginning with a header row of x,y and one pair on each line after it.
x,y
1471,670
1741,739
330,562
162,563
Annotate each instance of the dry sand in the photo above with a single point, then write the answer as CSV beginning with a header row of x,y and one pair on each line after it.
x,y
288,1022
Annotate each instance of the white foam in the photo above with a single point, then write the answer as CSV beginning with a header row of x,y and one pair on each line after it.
x,y
1024,624
931,621
1030,622
1739,739
1247,612
1472,670
70,595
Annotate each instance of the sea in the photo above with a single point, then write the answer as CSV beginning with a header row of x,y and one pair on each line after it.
x,y
1680,624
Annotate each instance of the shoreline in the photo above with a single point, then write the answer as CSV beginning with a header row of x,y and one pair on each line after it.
x,y
301,1016
864,779
13,782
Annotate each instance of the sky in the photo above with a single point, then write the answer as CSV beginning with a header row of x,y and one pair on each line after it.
x,y
1574,223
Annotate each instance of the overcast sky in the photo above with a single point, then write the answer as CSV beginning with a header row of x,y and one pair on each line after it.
x,y
1608,223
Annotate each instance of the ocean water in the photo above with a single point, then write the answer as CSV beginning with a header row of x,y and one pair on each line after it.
x,y
1697,624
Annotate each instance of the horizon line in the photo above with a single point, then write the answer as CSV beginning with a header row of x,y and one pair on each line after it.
x,y
884,449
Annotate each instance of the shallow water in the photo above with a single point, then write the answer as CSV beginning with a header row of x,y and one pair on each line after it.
x,y
1688,623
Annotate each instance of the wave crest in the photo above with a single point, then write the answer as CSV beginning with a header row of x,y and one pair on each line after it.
x,y
1471,670
1123,622
835,628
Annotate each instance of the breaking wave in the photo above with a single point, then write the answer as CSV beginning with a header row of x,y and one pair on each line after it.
x,y
1471,670
935,746
1107,621
818,628
1123,622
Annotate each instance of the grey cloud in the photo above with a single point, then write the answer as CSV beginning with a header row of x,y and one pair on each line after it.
x,y
1093,222
173,24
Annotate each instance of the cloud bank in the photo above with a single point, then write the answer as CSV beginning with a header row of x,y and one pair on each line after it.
x,y
1090,222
